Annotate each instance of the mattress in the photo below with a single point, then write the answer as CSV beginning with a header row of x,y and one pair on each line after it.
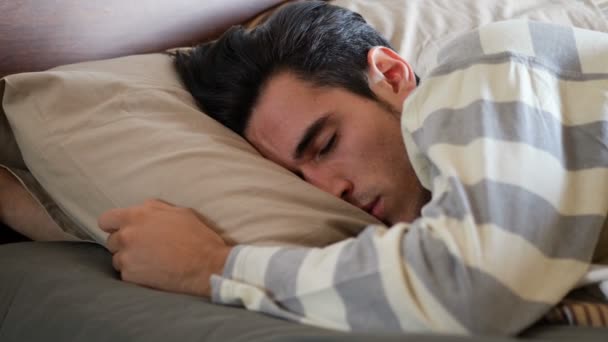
x,y
68,291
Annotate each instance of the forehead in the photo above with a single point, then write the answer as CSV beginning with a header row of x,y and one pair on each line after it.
x,y
286,107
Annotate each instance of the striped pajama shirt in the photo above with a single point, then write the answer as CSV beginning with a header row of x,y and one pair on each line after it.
x,y
510,134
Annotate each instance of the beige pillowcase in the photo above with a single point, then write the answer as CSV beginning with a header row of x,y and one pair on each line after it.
x,y
113,133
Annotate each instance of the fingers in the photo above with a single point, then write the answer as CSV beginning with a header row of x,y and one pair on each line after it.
x,y
116,261
113,219
158,203
116,221
113,243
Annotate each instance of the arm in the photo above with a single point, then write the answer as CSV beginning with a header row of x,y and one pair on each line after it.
x,y
446,272
20,211
438,274
163,246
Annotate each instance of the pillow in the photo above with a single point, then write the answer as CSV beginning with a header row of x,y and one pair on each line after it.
x,y
12,161
9,153
248,199
113,133
418,28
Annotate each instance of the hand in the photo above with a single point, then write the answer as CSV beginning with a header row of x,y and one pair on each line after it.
x,y
164,247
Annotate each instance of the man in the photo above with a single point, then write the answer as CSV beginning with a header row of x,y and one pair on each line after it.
x,y
514,217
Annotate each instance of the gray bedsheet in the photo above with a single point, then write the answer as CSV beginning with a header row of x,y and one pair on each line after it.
x,y
68,291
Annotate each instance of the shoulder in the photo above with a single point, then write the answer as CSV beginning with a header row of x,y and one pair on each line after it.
x,y
556,47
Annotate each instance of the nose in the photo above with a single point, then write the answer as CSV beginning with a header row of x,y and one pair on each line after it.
x,y
329,181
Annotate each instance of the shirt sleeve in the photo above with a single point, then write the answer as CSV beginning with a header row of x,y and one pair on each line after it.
x,y
440,274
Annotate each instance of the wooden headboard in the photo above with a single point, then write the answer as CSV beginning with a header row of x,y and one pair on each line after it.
x,y
40,34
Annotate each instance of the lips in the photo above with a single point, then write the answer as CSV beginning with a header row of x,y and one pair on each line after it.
x,y
374,207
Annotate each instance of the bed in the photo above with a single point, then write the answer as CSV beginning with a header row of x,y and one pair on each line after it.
x,y
68,291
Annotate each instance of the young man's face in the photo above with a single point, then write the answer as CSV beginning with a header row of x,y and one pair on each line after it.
x,y
340,142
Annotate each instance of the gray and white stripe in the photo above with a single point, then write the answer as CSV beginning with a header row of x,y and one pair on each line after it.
x,y
511,135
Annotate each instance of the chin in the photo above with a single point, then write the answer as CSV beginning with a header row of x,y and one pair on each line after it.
x,y
399,219
387,222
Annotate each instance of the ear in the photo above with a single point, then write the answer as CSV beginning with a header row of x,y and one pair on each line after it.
x,y
390,75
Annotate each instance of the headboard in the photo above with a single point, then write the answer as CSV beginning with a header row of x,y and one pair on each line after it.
x,y
40,34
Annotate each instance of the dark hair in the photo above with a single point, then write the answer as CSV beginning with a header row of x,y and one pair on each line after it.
x,y
318,42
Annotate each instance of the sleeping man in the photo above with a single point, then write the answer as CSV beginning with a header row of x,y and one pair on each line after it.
x,y
492,174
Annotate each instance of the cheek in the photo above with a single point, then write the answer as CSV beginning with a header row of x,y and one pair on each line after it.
x,y
388,155
370,153
372,145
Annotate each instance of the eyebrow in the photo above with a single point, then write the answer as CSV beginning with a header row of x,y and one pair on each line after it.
x,y
311,133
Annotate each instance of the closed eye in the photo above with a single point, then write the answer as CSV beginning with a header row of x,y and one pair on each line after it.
x,y
328,146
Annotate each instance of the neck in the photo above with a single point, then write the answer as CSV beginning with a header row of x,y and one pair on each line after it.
x,y
419,197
